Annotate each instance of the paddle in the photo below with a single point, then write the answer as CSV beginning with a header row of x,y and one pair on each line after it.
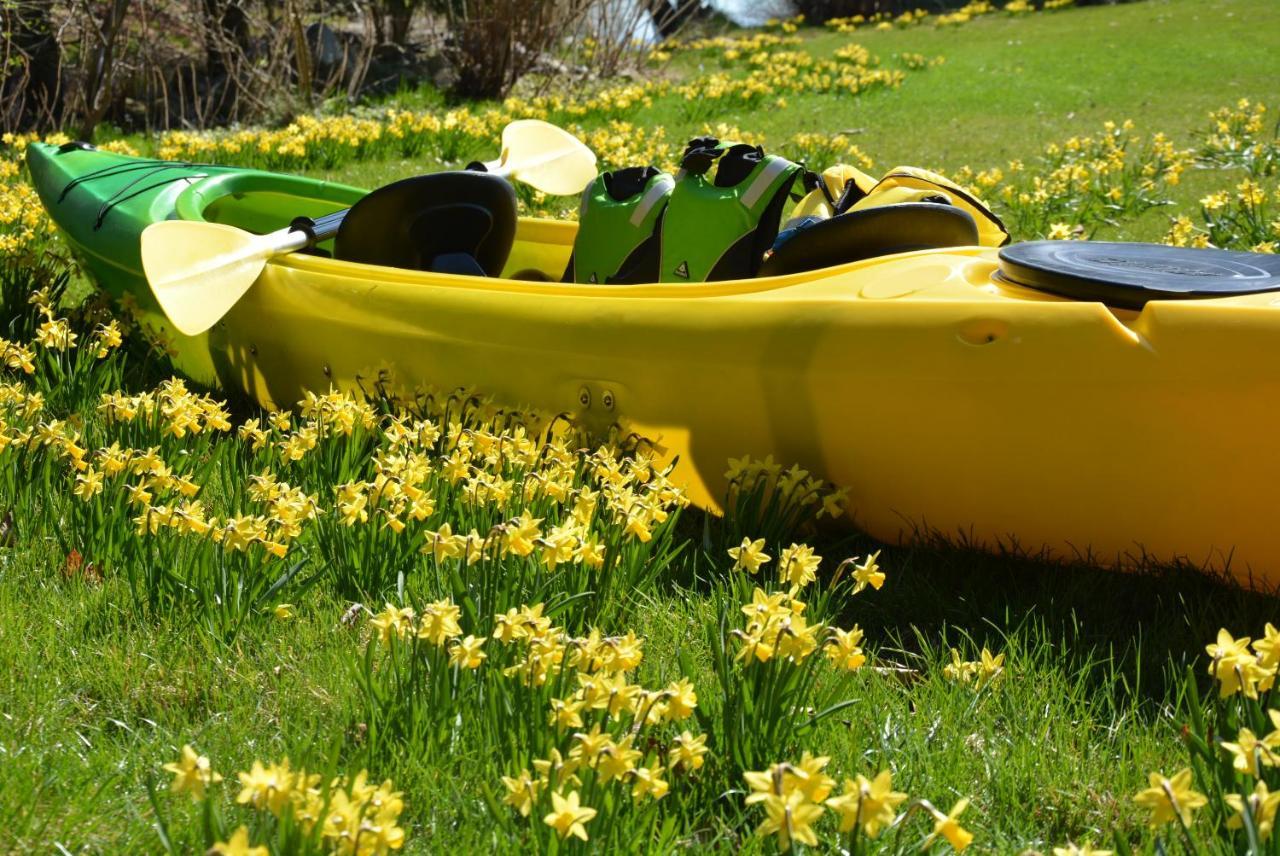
x,y
199,270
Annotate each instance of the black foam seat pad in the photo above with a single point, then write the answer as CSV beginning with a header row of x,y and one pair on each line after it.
x,y
1128,275
448,222
870,232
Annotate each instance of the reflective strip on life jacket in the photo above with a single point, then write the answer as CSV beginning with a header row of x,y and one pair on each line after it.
x,y
658,192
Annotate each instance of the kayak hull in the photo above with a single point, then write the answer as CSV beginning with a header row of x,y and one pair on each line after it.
x,y
951,403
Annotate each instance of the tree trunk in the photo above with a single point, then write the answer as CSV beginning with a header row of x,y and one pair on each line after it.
x,y
400,18
99,67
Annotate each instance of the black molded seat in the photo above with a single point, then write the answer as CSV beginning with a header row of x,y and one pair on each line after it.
x,y
870,232
448,222
1128,275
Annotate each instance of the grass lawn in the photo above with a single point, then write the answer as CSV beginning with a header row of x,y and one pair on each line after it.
x,y
1012,85
97,692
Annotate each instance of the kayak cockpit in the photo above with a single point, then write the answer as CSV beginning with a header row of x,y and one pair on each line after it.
x,y
471,209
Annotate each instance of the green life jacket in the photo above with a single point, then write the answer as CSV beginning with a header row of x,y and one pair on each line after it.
x,y
719,227
617,238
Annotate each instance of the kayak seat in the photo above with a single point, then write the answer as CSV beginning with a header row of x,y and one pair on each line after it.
x,y
870,232
448,222
1127,275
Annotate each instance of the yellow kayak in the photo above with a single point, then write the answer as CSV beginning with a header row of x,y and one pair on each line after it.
x,y
949,398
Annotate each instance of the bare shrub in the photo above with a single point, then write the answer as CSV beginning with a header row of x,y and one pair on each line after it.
x,y
186,63
615,31
491,44
31,74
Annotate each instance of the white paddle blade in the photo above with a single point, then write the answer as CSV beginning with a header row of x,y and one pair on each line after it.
x,y
546,157
198,271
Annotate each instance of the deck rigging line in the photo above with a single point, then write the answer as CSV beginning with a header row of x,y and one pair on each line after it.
x,y
147,168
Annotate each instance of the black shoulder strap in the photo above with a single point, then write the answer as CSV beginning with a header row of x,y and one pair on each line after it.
x,y
848,197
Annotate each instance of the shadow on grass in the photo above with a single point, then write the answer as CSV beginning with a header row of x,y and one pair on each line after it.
x,y
1131,633
1136,630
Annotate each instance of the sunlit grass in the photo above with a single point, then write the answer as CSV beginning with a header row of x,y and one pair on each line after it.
x,y
177,571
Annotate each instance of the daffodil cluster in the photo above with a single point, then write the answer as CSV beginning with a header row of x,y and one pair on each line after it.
x,y
1237,137
966,13
734,46
473,490
822,150
987,670
346,816
770,77
1246,217
908,18
1084,182
24,224
1234,740
773,680
796,796
766,499
1244,665
597,737
66,357
616,743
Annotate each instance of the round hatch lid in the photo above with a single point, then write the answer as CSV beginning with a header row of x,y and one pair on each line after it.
x,y
1127,275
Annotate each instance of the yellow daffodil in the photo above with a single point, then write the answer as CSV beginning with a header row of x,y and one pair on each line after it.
x,y
617,760
990,668
845,648
56,335
868,574
88,484
1261,806
948,826
520,533
648,782
833,503
393,622
522,792
238,845
687,751
1236,668
556,768
569,817
681,700
1268,648
870,805
588,746
268,788
1249,754
1171,799
192,773
798,565
791,819
566,713
749,556
438,623
466,653
1080,850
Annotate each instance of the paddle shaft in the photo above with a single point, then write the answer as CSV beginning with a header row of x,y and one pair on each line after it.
x,y
316,230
